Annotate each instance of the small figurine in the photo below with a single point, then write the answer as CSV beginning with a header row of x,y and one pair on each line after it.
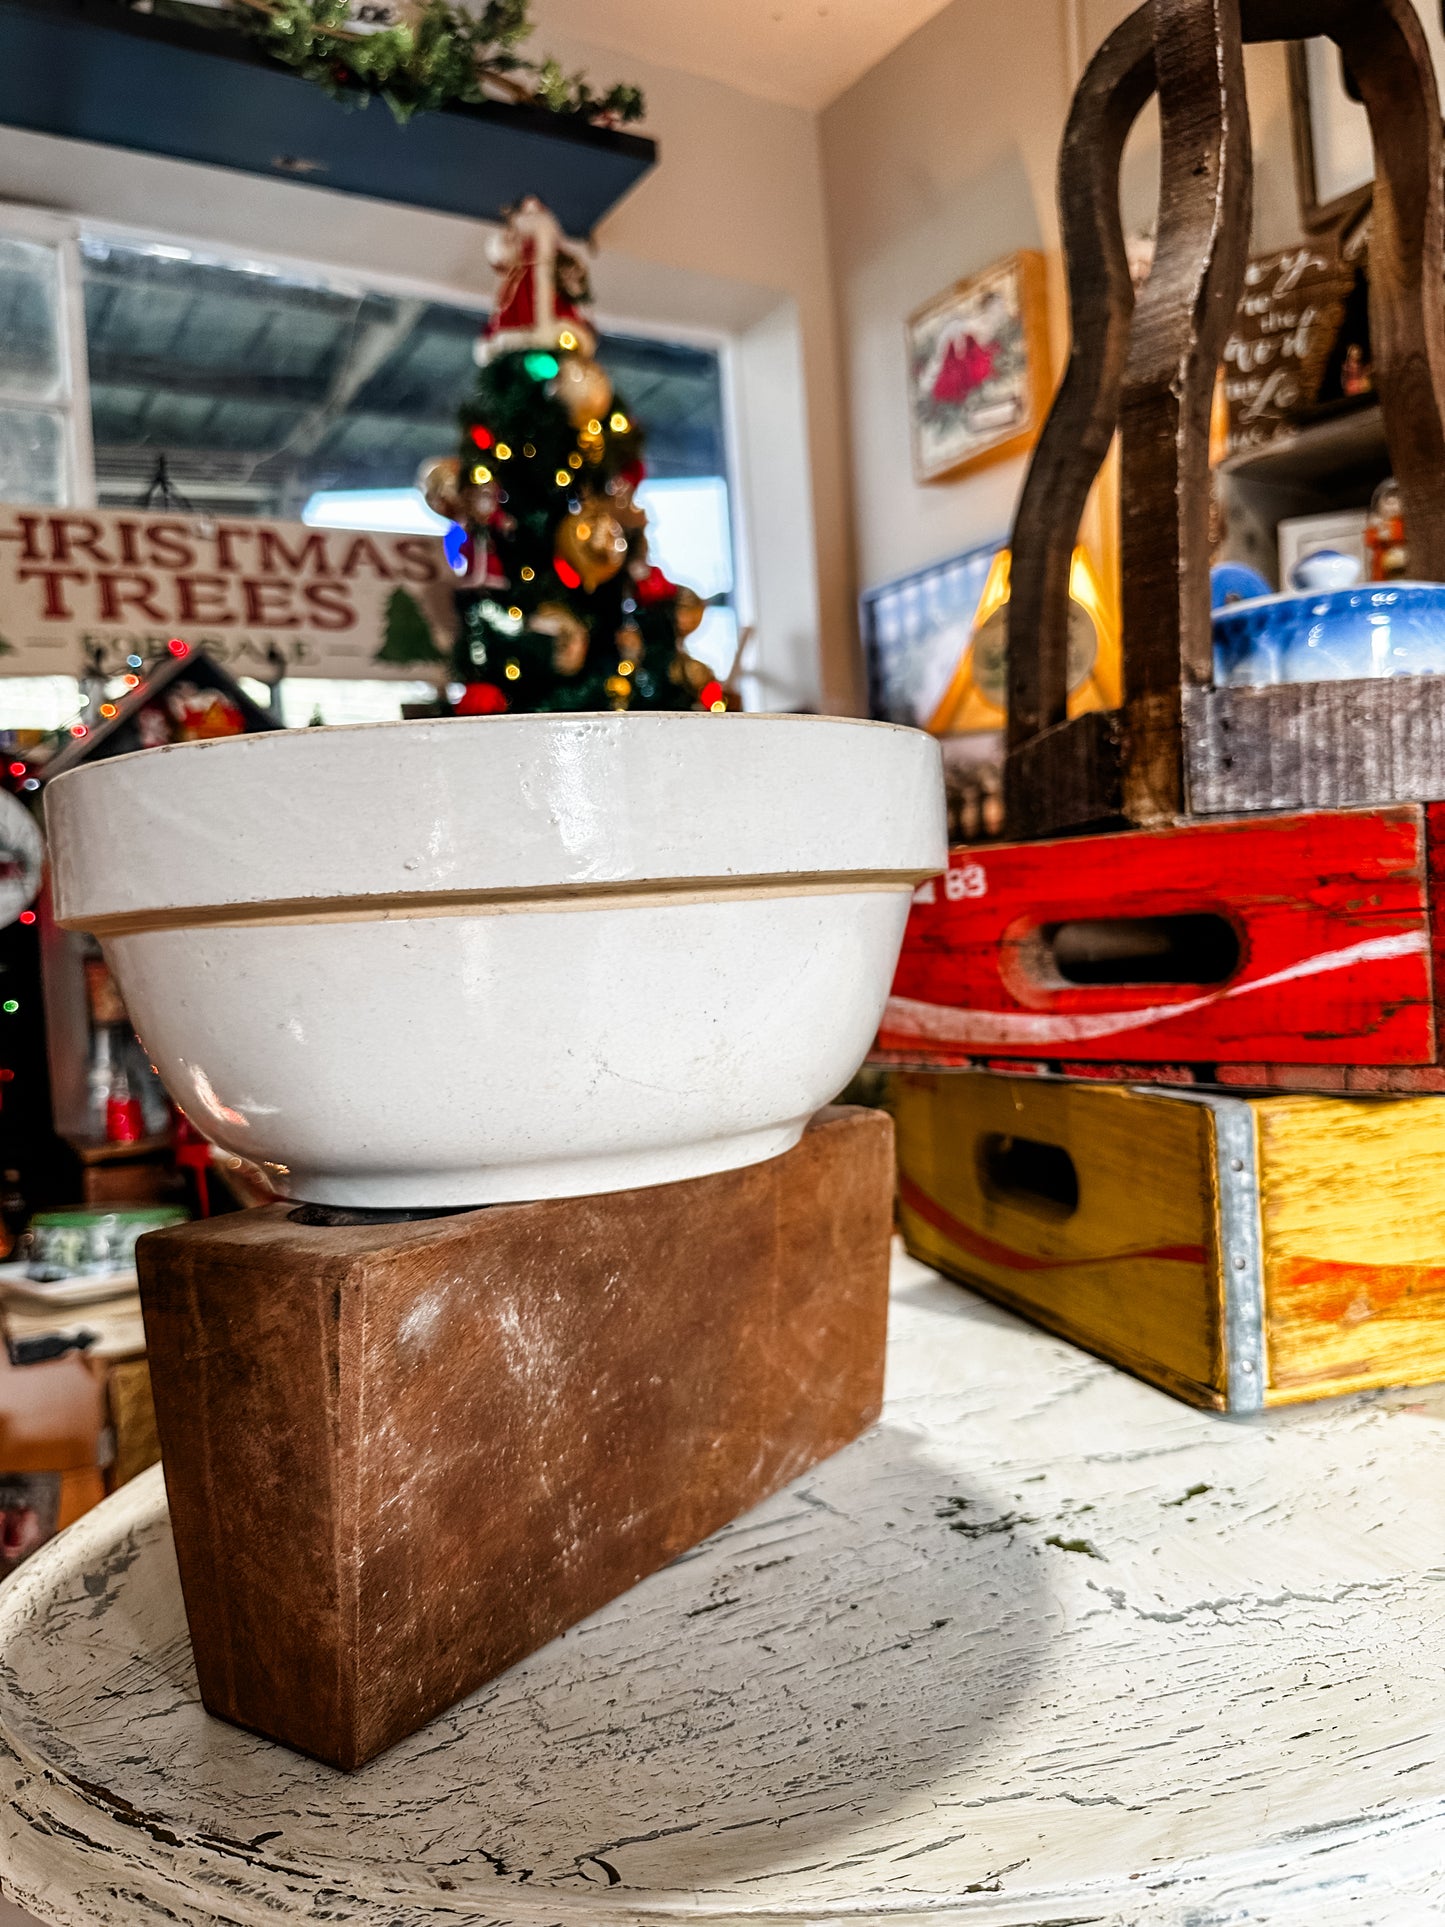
x,y
1356,375
1385,533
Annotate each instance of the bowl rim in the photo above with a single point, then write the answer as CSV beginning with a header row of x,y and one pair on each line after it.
x,y
280,831
312,731
1249,605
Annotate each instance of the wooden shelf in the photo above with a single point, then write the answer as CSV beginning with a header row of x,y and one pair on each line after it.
x,y
1342,442
91,70
92,1150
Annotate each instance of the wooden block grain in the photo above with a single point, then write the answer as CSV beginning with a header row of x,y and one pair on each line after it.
x,y
1066,778
401,1456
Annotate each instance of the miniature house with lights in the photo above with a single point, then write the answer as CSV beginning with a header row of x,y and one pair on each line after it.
x,y
56,1114
184,695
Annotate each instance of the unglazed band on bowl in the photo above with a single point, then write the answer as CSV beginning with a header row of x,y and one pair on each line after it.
x,y
525,900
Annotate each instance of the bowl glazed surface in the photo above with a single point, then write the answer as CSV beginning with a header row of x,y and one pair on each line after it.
x,y
477,960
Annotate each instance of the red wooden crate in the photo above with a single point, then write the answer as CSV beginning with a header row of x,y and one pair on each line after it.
x,y
1308,955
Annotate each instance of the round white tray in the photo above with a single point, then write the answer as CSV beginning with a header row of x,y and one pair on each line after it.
x,y
1044,1646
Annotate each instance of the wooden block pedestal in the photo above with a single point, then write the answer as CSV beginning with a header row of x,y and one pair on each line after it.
x,y
401,1456
1238,1252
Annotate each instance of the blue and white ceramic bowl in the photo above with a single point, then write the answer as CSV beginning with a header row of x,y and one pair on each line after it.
x,y
1372,629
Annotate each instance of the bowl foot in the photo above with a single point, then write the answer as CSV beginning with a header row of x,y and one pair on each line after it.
x,y
467,1186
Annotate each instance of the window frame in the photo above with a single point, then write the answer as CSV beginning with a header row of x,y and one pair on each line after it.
x,y
407,287
62,232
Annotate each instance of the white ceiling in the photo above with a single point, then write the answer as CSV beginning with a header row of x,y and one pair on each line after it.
x,y
801,52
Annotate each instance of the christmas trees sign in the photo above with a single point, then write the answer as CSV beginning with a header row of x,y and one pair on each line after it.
x,y
560,606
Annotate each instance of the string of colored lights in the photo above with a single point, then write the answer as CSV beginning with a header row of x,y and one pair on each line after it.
x,y
22,768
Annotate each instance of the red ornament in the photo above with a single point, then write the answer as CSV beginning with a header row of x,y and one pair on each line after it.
x,y
493,575
124,1119
634,473
711,693
482,436
481,699
566,574
192,1153
655,587
189,1146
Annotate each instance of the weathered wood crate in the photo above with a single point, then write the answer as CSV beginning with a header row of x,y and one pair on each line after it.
x,y
1237,1252
1320,745
1303,952
1146,368
1299,951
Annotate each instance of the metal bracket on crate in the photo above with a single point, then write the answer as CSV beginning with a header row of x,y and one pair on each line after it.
x,y
1147,368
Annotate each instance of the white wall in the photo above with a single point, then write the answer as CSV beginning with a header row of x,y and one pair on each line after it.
x,y
739,199
728,234
937,162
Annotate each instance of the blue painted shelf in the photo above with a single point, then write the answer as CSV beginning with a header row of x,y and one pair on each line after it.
x,y
91,70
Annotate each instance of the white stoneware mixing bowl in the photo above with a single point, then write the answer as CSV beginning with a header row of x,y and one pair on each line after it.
x,y
466,961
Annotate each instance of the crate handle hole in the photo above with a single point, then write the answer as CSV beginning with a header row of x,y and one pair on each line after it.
x,y
1195,949
1029,1174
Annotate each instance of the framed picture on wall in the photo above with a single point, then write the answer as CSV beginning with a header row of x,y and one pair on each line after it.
x,y
1333,157
978,369
917,630
936,643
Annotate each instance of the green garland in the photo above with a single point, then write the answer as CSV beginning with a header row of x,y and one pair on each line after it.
x,y
443,54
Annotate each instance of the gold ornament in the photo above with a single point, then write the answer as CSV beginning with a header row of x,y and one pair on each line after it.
x,y
691,672
620,499
583,389
568,633
688,612
619,691
440,481
456,493
591,540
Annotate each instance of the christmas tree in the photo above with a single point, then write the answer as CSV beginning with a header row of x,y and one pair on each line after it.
x,y
561,608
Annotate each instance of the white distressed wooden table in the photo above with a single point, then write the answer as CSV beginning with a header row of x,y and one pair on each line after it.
x,y
1044,1648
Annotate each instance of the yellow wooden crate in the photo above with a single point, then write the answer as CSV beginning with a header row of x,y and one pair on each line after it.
x,y
1238,1252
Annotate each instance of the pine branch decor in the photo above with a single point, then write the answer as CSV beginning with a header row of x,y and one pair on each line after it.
x,y
432,54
